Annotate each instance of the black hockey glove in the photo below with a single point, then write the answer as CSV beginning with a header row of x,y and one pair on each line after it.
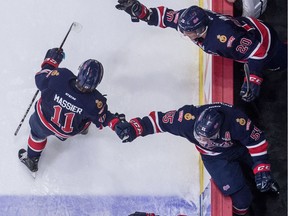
x,y
263,179
251,89
53,58
125,132
135,9
128,131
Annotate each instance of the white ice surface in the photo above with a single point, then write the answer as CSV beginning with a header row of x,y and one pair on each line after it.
x,y
146,69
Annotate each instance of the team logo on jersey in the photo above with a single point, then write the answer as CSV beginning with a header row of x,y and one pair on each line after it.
x,y
241,121
189,116
99,104
54,73
222,38
226,187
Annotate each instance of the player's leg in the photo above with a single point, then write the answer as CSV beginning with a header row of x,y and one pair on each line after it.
x,y
228,176
36,143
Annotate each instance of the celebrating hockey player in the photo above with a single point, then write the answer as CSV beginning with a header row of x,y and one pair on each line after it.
x,y
226,139
243,39
67,106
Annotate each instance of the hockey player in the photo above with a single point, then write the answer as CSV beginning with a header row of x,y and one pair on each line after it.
x,y
67,106
243,39
226,139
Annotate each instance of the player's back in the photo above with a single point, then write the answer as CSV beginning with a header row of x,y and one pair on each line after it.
x,y
63,106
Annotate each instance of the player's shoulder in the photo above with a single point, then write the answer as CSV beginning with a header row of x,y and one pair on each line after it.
x,y
65,72
93,102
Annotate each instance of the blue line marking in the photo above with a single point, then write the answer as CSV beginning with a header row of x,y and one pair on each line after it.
x,y
65,205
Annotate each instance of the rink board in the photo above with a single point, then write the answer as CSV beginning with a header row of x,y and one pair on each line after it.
x,y
94,205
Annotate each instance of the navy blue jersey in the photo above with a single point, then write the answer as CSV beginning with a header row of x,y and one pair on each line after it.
x,y
63,109
237,129
243,39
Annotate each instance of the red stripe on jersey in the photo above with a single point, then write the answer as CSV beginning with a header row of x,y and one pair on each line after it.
x,y
247,27
262,49
46,123
155,120
259,149
46,71
36,145
161,12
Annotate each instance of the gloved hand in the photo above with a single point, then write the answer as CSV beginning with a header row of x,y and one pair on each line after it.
x,y
134,8
263,178
121,117
118,119
128,131
125,132
53,57
250,94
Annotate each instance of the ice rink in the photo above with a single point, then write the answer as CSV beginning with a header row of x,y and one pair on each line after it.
x,y
146,69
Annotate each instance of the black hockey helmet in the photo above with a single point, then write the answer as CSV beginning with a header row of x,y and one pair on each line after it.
x,y
89,75
193,19
208,123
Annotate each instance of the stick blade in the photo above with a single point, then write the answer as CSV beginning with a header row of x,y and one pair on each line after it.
x,y
77,27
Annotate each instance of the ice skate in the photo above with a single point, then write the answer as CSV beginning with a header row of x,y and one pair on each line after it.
x,y
31,163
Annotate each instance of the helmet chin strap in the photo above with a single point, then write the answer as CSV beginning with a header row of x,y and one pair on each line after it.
x,y
199,35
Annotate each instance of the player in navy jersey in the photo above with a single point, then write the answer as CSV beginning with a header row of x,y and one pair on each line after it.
x,y
226,139
67,106
243,39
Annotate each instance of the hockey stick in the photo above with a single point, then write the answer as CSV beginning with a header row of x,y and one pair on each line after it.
x,y
247,75
77,28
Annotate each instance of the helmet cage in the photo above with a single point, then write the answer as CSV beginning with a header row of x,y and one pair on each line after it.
x,y
89,76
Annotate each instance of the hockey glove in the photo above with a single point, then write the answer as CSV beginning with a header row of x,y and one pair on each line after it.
x,y
53,58
119,118
135,9
128,131
251,89
263,178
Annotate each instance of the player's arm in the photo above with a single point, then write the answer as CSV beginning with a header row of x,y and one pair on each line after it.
x,y
252,48
253,138
51,61
156,122
101,116
160,16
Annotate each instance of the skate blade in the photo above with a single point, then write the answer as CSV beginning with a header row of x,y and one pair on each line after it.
x,y
33,174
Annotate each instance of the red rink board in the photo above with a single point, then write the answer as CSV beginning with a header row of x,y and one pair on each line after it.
x,y
222,88
222,75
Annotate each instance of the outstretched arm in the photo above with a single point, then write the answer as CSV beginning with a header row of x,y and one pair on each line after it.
x,y
160,16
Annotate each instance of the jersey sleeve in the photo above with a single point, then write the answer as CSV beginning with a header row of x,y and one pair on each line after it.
x,y
249,135
42,78
258,37
99,112
175,122
164,17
